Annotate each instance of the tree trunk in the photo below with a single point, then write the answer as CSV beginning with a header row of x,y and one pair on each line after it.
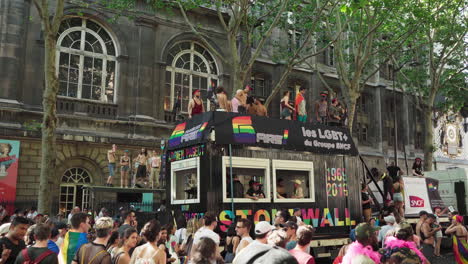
x,y
428,139
353,96
49,123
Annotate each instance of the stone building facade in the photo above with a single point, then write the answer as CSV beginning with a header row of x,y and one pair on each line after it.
x,y
119,81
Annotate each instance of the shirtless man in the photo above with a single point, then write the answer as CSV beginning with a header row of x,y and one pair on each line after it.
x,y
422,219
111,164
428,231
223,104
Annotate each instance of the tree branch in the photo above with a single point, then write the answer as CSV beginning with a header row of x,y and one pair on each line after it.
x,y
200,35
266,36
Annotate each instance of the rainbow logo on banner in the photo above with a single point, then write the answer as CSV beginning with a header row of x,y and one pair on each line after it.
x,y
285,136
243,130
177,134
431,187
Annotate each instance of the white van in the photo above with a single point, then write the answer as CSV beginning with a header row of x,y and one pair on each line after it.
x,y
453,183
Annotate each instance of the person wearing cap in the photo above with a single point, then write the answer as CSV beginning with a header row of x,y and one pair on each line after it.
x,y
366,244
300,106
111,164
243,231
254,192
298,192
321,108
334,118
291,229
417,168
301,250
195,106
389,226
260,252
95,251
460,237
422,218
262,230
124,169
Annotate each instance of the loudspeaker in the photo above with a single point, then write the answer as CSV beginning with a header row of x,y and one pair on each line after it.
x,y
460,193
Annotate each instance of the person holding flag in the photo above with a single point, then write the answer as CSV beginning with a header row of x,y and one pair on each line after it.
x,y
300,105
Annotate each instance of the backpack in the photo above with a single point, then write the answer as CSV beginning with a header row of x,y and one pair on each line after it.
x,y
37,260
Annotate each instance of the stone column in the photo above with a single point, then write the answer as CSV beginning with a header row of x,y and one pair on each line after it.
x,y
12,17
145,84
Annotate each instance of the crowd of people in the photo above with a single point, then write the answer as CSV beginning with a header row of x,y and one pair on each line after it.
x,y
146,167
326,112
30,237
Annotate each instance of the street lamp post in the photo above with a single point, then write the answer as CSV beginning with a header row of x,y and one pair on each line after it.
x,y
395,118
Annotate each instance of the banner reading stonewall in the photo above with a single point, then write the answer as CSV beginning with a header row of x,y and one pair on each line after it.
x,y
238,129
9,154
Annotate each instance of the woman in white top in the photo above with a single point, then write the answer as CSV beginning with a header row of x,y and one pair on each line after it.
x,y
149,253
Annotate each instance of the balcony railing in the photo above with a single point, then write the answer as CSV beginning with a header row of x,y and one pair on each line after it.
x,y
87,108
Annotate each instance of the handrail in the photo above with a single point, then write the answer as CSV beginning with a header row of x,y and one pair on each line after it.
x,y
372,180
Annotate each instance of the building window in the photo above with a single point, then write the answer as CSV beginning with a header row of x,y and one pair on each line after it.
x,y
86,62
295,39
293,181
261,86
190,67
71,192
362,104
185,181
363,136
247,172
418,141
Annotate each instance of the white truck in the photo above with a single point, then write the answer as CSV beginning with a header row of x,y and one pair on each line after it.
x,y
453,187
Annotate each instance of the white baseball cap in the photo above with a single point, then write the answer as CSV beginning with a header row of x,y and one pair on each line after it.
x,y
4,228
263,227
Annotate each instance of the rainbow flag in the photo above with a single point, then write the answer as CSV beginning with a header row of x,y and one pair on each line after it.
x,y
460,250
71,243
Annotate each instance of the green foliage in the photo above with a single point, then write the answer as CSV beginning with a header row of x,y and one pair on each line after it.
x,y
32,125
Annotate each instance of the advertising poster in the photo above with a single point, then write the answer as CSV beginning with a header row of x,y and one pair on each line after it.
x,y
9,156
416,196
433,192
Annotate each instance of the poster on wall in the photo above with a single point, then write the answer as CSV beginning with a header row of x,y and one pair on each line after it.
x,y
9,156
416,196
433,192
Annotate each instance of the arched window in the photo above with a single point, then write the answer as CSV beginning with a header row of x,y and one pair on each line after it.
x,y
86,62
71,192
190,67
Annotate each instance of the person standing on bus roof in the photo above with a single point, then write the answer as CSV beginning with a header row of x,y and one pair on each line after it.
x,y
195,105
300,106
417,168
